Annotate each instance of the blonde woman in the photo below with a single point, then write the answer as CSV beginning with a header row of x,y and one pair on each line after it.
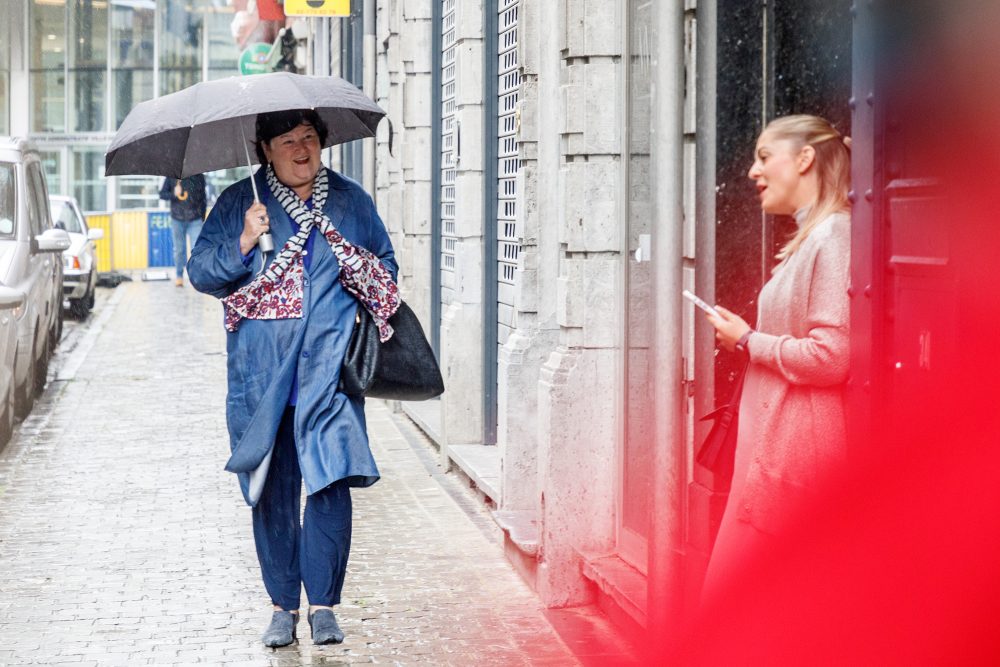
x,y
791,419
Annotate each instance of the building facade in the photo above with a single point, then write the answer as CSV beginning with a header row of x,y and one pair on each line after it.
x,y
526,198
560,172
71,70
554,174
76,68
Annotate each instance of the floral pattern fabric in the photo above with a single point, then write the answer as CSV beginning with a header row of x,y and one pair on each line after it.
x,y
277,292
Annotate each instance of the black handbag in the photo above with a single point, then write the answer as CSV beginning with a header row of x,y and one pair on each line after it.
x,y
718,452
402,369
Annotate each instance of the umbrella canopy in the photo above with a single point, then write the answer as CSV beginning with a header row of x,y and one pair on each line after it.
x,y
207,126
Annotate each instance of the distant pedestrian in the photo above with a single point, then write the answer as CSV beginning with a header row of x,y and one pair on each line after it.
x,y
188,203
290,314
791,419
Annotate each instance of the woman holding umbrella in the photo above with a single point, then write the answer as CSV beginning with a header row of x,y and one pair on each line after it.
x,y
791,426
289,316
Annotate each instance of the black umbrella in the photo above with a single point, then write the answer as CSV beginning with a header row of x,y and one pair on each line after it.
x,y
208,125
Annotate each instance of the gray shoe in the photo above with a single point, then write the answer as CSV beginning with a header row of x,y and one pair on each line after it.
x,y
281,632
324,627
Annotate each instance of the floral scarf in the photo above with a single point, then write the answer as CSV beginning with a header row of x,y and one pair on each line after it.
x,y
277,292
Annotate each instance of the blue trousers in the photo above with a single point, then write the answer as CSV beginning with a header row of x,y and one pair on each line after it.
x,y
185,234
313,552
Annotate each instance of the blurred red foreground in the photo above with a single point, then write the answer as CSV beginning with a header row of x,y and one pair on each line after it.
x,y
900,563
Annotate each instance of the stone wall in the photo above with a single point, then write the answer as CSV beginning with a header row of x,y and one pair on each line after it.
x,y
462,320
560,371
403,178
577,402
536,334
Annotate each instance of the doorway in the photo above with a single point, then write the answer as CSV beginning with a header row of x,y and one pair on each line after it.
x,y
635,462
774,58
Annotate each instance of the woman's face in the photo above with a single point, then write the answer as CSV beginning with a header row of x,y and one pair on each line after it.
x,y
295,156
778,173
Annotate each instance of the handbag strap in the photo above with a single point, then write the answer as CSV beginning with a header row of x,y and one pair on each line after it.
x,y
738,387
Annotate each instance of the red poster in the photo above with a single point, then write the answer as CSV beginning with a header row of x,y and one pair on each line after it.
x,y
270,10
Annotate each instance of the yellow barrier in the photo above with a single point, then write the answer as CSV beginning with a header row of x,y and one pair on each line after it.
x,y
130,246
102,221
130,236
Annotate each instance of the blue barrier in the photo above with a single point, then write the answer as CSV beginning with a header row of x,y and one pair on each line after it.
x,y
161,239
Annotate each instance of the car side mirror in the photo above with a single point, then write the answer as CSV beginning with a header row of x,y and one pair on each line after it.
x,y
95,234
10,297
52,240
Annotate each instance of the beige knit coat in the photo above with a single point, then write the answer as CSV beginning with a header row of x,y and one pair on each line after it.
x,y
791,421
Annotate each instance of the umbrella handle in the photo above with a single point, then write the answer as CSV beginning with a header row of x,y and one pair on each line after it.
x,y
264,241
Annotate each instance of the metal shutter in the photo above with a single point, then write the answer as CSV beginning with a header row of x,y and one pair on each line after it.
x,y
508,243
448,153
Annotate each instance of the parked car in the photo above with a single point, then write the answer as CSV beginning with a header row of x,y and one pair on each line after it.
x,y
80,261
30,262
11,300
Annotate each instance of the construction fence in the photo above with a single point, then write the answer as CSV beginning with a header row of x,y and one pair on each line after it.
x,y
133,239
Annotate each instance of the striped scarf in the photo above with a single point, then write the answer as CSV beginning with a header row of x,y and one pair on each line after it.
x,y
277,292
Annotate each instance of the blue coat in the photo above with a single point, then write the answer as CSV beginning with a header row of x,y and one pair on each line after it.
x,y
265,355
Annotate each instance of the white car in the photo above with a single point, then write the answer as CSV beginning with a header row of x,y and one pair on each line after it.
x,y
30,262
11,300
80,260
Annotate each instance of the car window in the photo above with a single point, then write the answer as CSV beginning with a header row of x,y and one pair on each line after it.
x,y
41,196
8,201
32,201
64,217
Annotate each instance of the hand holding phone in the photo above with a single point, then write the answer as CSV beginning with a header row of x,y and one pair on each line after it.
x,y
701,304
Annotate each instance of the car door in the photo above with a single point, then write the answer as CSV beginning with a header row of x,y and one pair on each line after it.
x,y
52,262
39,264
8,326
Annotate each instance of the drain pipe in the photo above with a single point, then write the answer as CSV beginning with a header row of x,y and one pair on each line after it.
x,y
368,77
706,120
665,580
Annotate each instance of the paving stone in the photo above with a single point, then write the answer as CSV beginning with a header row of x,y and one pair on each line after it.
x,y
134,546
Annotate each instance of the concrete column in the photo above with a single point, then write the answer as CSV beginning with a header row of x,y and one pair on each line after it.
x,y
578,427
535,335
327,59
20,100
368,69
414,91
462,321
402,38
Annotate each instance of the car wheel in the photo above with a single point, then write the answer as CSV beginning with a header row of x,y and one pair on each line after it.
x,y
24,397
80,308
57,329
41,371
7,418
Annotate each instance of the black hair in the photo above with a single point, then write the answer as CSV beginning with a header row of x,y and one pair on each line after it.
x,y
275,123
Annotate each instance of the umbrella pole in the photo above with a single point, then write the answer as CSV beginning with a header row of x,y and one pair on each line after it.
x,y
264,241
253,181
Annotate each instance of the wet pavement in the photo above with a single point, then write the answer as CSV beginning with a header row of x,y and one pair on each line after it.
x,y
123,541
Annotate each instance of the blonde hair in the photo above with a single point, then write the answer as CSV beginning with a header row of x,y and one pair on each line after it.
x,y
832,164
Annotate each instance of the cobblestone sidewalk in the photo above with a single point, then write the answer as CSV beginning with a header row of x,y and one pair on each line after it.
x,y
123,542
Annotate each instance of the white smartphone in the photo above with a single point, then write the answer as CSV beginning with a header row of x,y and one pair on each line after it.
x,y
698,302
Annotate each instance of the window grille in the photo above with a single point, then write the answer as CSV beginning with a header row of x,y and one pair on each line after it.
x,y
448,152
508,240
